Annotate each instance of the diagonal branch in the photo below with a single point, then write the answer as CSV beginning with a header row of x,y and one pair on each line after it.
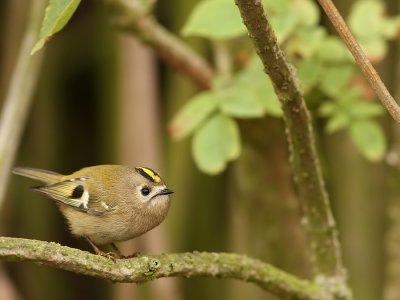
x,y
131,16
362,60
318,219
149,267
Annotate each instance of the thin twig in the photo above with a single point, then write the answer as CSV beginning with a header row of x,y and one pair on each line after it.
x,y
149,267
222,58
130,16
19,95
362,60
318,219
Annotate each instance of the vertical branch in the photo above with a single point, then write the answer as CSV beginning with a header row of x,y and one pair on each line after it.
x,y
318,219
19,95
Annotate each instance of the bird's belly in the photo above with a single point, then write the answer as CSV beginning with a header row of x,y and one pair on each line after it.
x,y
108,228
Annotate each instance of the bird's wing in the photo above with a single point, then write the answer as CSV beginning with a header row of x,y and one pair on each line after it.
x,y
75,194
48,177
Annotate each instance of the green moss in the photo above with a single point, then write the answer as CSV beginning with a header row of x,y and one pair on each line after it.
x,y
152,266
145,268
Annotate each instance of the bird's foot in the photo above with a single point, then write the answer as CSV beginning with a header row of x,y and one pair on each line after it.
x,y
134,254
110,255
122,256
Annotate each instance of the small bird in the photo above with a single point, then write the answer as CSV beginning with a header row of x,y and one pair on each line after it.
x,y
106,203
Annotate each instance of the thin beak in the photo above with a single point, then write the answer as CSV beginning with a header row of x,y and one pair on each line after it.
x,y
165,192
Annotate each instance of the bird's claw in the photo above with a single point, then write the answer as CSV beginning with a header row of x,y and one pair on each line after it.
x,y
110,255
134,254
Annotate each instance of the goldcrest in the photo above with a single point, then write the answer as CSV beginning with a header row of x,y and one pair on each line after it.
x,y
106,203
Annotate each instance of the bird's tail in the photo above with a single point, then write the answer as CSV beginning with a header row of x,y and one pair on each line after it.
x,y
45,176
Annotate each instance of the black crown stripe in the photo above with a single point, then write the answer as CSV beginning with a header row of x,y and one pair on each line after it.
x,y
148,174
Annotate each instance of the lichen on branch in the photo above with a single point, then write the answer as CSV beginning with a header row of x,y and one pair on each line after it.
x,y
149,267
318,219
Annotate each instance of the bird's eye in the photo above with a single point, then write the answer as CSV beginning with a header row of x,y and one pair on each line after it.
x,y
145,191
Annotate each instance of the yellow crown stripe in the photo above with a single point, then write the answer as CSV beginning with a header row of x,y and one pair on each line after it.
x,y
151,174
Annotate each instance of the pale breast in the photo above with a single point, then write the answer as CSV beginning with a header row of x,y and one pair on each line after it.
x,y
113,227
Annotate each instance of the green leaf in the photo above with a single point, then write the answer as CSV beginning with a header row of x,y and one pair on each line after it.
x,y
215,144
241,103
363,110
366,17
215,19
271,101
284,25
335,78
310,72
390,27
375,48
327,109
370,14
337,122
332,50
369,138
305,41
58,13
350,97
275,7
253,80
306,11
193,113
372,27
300,13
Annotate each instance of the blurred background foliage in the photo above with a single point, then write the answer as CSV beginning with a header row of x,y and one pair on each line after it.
x,y
103,97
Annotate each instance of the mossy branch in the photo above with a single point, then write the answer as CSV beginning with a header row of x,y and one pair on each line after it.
x,y
318,219
149,267
131,16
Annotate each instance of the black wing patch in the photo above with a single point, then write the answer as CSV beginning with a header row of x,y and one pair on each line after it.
x,y
77,193
74,194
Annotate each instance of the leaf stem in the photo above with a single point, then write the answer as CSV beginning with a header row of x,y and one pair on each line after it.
x,y
222,58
